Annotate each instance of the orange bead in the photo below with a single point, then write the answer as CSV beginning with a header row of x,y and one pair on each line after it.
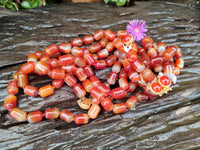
x,y
110,35
15,74
169,53
118,93
123,83
66,115
66,60
65,47
89,58
176,71
22,80
87,85
179,63
38,53
158,68
57,74
127,64
79,61
94,111
112,78
102,53
69,68
132,86
10,102
119,108
77,42
148,75
81,74
51,113
152,52
161,48
100,64
147,42
95,81
32,57
44,57
104,41
70,80
110,46
156,61
88,70
116,67
41,68
138,65
132,55
31,90
168,68
46,90
57,83
121,33
51,50
35,116
77,51
103,88
111,60
141,96
94,48
81,119
96,93
133,76
178,53
99,35
107,104
53,63
118,43
88,39
79,91
18,114
12,87
132,101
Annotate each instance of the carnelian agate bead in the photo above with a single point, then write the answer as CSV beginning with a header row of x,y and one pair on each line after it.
x,y
12,87
133,76
148,75
107,104
44,57
89,58
152,52
53,63
96,93
87,85
118,93
69,68
123,73
168,68
95,81
158,68
104,41
116,67
57,83
132,101
94,48
169,53
147,42
102,53
88,39
22,80
127,64
111,60
110,46
38,53
32,57
179,63
132,86
156,61
66,115
31,90
138,65
132,55
41,68
156,87
65,47
66,60
123,83
110,35
10,102
81,119
79,91
77,42
35,116
81,74
15,74
100,64
178,53
51,50
121,33
57,74
46,90
119,108
94,110
51,113
79,61
118,43
70,80
99,35
141,96
77,51
18,114
103,88
112,78
88,70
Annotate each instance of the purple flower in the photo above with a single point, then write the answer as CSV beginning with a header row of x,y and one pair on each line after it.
x,y
137,29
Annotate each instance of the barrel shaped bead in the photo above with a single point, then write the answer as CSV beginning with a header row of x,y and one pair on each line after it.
x,y
28,67
46,90
10,102
51,50
77,42
22,80
118,93
98,35
66,59
66,115
119,108
18,114
70,80
57,74
132,101
94,111
12,87
81,119
35,116
51,113
107,104
79,90
31,90
65,47
57,83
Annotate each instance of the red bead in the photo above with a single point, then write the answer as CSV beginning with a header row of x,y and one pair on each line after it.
x,y
28,67
110,46
152,52
131,102
81,74
102,53
141,96
132,55
148,75
89,58
179,63
57,74
41,68
110,35
81,119
65,47
88,70
79,91
168,68
111,60
156,61
147,42
102,87
46,90
118,93
96,93
127,64
18,114
66,115
156,87
100,64
123,83
118,43
87,85
15,74
57,83
178,53
142,83
104,41
94,48
169,53
164,81
88,39
12,87
122,73
31,90
94,111
161,48
22,80
44,57
112,78
79,61
138,65
66,60
53,63
10,102
69,68
95,80
35,116
107,104
77,51
158,68
121,33
51,50
95,56
122,54
99,35
38,53
70,80
132,86
77,42
127,38
32,57
133,76
116,67
51,113
119,108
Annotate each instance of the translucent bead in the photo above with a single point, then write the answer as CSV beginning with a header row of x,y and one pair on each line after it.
x,y
95,101
112,78
44,57
94,48
79,91
38,53
123,73
148,75
158,68
127,64
119,108
121,33
81,119
110,46
147,42
122,54
66,115
156,61
51,50
133,76
41,68
132,86
77,51
178,53
161,48
88,39
132,55
57,83
94,111
104,41
66,60
118,93
31,90
28,67
18,114
57,74
15,74
87,85
100,64
69,68
132,101
51,113
79,61
116,67
98,35
176,71
89,71
53,63
32,57
123,83
110,35
95,81
111,60
102,53
152,52
12,87
22,80
107,104
142,83
168,68
65,47
103,88
138,65
81,74
118,43
179,63
46,90
77,42
35,116
10,102
96,93
95,56
169,53
141,96
89,58
70,80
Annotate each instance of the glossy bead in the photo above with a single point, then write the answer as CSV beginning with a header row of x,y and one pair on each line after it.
x,y
179,63
128,39
122,54
156,87
44,57
65,47
176,71
87,85
79,91
119,108
121,33
132,101
94,111
38,53
118,93
103,88
46,90
69,68
133,76
57,83
94,48
51,50
123,83
77,42
112,78
79,61
28,67
148,75
89,58
102,53
152,52
22,80
168,68
70,80
18,114
98,35
116,67
110,46
66,60
156,61
31,90
127,64
164,81
138,65
88,70
104,41
110,35
107,104
32,57
51,113
142,83
141,96
53,63
77,51
66,115
147,42
81,119
57,74
41,68
88,39
158,68
96,93
100,64
169,53
132,55
161,48
35,116
122,73
15,74
132,86
111,60
95,81
10,102
12,87
81,74
95,56
178,53
118,43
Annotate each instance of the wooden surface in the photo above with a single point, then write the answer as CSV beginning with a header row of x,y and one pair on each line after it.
x,y
169,122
